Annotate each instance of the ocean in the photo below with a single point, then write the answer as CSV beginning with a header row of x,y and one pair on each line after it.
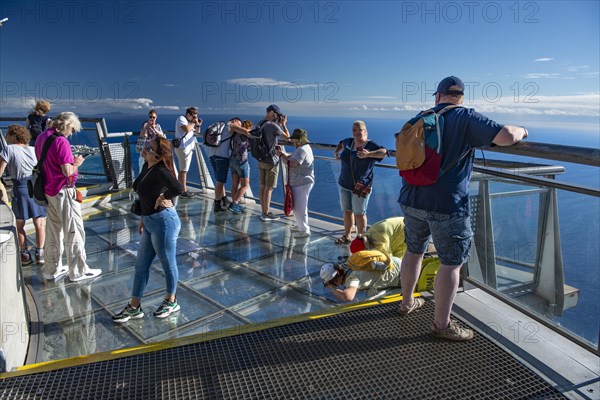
x,y
579,215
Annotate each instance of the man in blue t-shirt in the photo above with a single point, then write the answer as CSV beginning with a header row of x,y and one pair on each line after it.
x,y
441,210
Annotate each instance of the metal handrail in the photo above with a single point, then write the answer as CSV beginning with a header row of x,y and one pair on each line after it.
x,y
555,152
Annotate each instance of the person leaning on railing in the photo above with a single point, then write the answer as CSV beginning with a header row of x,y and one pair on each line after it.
x,y
64,211
441,210
159,227
20,159
358,156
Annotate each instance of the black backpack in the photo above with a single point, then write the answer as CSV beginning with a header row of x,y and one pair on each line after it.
x,y
258,146
37,125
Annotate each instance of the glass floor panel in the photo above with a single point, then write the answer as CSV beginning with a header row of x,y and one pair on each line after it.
x,y
234,269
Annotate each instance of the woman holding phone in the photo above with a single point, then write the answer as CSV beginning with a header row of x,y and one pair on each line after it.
x,y
149,130
358,155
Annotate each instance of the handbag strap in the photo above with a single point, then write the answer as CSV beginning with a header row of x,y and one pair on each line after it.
x,y
352,166
45,149
147,173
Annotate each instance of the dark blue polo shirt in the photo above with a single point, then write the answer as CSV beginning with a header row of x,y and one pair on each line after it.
x,y
361,167
464,130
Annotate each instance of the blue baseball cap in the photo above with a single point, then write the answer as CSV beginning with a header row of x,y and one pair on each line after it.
x,y
450,85
274,107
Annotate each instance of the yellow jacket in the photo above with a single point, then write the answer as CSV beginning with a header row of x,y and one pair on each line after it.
x,y
387,236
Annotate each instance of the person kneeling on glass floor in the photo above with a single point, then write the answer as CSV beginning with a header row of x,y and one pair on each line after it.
x,y
369,270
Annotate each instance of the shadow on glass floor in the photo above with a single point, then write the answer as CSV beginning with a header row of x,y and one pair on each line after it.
x,y
234,269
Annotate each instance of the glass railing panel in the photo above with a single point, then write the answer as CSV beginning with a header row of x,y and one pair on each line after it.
x,y
544,264
515,216
579,233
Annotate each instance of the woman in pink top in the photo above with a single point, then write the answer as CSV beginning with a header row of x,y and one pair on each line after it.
x,y
59,169
149,130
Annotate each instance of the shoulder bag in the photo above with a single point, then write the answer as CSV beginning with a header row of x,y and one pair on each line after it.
x,y
35,186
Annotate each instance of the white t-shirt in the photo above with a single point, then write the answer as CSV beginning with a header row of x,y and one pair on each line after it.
x,y
373,280
190,139
304,173
224,149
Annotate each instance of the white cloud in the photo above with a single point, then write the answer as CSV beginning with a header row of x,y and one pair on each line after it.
x,y
578,68
544,59
174,108
267,82
20,106
542,75
380,97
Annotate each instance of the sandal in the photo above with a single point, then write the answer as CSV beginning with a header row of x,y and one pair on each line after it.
x,y
343,240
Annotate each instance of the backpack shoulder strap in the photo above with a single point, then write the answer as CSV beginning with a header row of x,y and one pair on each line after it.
x,y
45,149
448,108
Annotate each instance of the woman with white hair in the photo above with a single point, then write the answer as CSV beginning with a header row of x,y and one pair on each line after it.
x,y
59,169
301,163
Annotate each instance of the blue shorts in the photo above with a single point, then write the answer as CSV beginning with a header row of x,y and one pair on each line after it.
x,y
451,234
241,169
221,167
351,202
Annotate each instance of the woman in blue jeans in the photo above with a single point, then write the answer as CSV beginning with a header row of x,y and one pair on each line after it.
x,y
159,226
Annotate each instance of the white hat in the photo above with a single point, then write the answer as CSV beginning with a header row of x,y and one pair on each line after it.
x,y
328,272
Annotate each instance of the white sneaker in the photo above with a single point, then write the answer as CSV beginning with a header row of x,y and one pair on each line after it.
x,y
89,274
301,235
59,273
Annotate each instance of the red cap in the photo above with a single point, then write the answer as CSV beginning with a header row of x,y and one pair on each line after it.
x,y
357,245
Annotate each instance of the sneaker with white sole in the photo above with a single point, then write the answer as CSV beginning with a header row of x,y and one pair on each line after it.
x,y
453,332
58,274
418,302
166,308
89,274
301,235
269,217
128,313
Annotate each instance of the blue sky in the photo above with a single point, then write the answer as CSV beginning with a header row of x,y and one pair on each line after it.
x,y
532,60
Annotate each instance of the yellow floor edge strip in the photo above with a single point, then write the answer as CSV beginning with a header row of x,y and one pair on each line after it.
x,y
193,339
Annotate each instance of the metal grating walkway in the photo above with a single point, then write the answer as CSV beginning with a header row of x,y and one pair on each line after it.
x,y
370,353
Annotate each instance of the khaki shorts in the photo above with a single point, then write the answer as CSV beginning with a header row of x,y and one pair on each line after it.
x,y
268,174
184,157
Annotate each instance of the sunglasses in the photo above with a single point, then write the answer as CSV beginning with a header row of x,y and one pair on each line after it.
x,y
148,147
152,117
